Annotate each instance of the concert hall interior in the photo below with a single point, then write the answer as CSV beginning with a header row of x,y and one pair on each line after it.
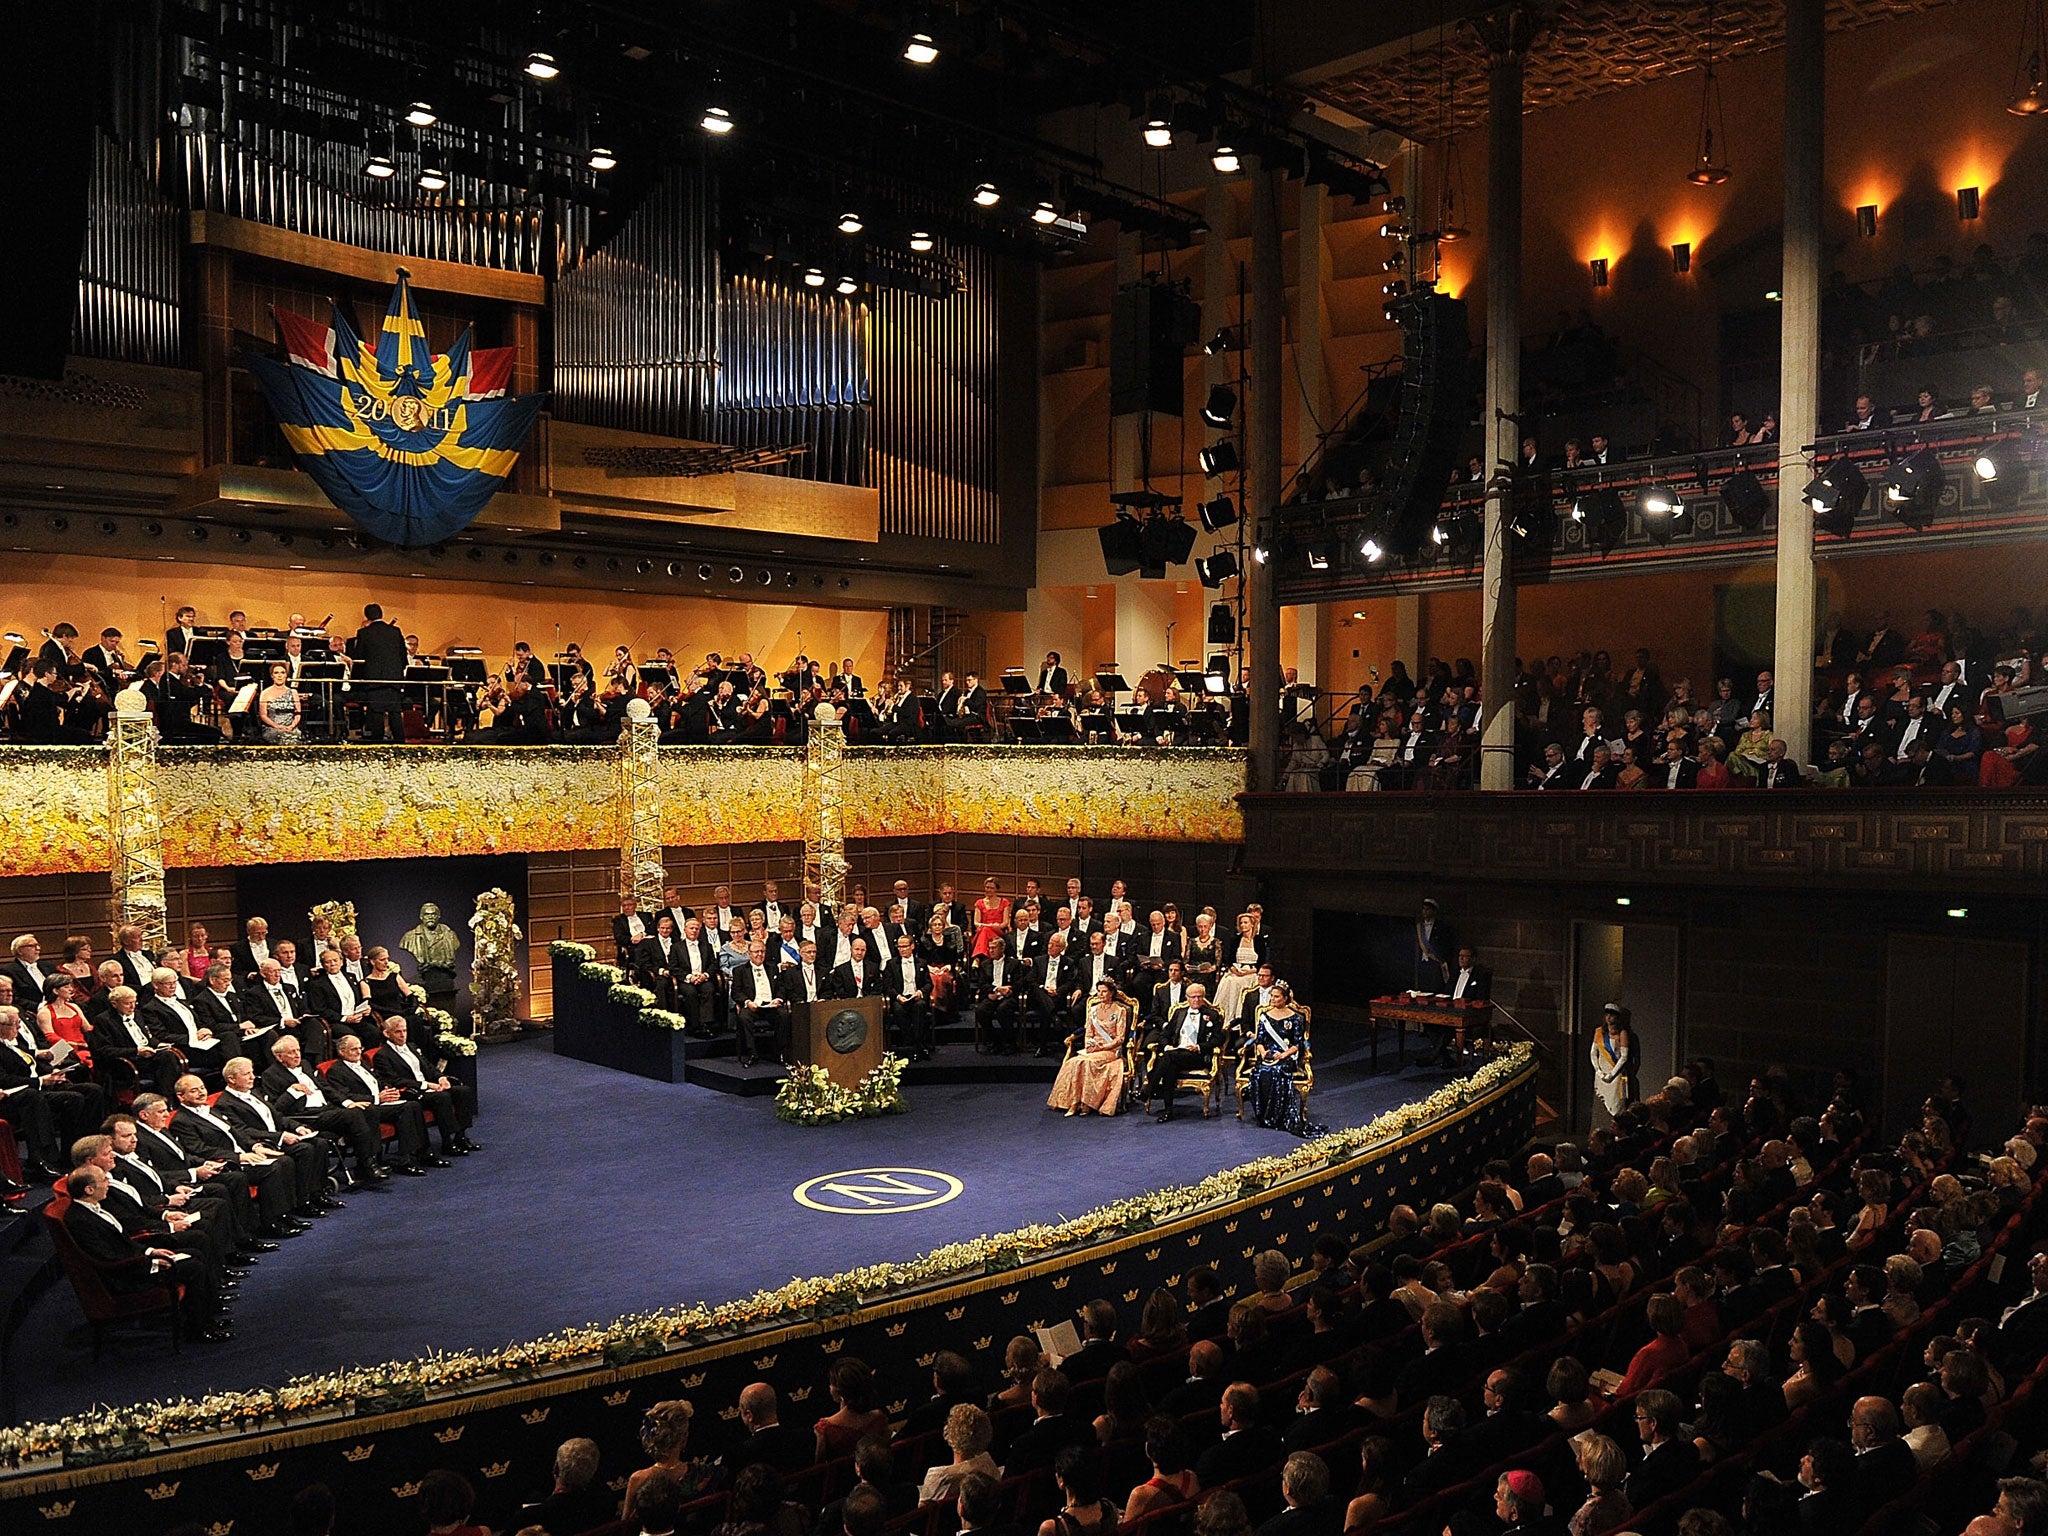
x,y
1024,768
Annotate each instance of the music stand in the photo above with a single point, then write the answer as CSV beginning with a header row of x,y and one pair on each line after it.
x,y
1102,723
466,665
1133,723
1025,728
1056,730
257,647
209,650
327,674
1112,682
1190,682
654,675
1015,682
17,657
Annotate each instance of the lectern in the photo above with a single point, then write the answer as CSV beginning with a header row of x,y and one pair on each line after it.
x,y
842,1035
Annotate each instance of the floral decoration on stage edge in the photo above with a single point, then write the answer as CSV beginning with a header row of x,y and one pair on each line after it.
x,y
109,1434
808,1096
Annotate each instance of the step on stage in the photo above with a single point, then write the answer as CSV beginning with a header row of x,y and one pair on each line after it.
x,y
601,1193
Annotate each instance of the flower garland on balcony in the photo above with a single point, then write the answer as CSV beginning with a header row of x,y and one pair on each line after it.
x,y
808,1096
618,986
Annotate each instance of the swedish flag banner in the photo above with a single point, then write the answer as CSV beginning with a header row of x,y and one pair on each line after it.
x,y
409,444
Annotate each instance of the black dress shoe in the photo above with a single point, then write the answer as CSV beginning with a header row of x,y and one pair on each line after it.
x,y
257,1245
467,1145
410,1171
287,1228
216,1333
1162,1117
329,1203
435,1160
454,1149
374,1175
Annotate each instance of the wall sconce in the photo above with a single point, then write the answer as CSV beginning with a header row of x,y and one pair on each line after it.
x,y
1681,258
1599,271
1866,220
1966,203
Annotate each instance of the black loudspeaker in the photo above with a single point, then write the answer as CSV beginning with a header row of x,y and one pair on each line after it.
x,y
1222,625
1436,389
1123,546
44,179
1151,326
1168,540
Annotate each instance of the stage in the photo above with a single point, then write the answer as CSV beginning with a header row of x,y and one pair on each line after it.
x,y
608,1194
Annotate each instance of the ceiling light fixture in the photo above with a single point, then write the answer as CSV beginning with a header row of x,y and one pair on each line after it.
x,y
602,159
921,241
1224,160
716,120
420,115
1045,213
2029,94
542,66
850,223
986,195
432,177
921,48
379,166
813,278
846,286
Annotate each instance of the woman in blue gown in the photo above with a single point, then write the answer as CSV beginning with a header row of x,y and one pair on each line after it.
x,y
1279,1042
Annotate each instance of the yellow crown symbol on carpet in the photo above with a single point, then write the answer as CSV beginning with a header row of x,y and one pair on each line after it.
x,y
358,1452
497,1469
1230,1226
765,1363
451,1434
405,1491
616,1399
984,1341
924,1361
1194,1240
1355,1179
1299,1201
262,1473
1131,1295
694,1379
1281,1237
61,1510
895,1330
1314,1225
1010,1298
1248,1251
1329,1190
831,1346
1266,1214
954,1314
220,1528
535,1416
1109,1268
618,1484
729,1413
163,1491
899,1406
799,1394
1342,1212
1062,1282
1152,1255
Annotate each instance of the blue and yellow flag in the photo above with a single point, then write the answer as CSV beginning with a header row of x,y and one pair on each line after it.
x,y
409,444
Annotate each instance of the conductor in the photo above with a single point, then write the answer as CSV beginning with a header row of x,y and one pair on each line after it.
x,y
378,654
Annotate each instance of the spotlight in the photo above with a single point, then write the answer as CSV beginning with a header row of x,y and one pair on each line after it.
x,y
986,195
1461,534
602,159
1394,288
845,287
1045,213
1836,495
379,166
542,66
1866,220
1681,258
716,120
850,223
1159,121
1966,203
1746,499
1658,499
1319,557
1224,160
1258,554
1218,514
1912,489
1394,263
921,241
813,278
432,177
1998,469
921,48
1394,229
1437,535
1599,265
1220,406
420,115
1605,520
1219,458
1394,204
1223,341
1372,551
1216,569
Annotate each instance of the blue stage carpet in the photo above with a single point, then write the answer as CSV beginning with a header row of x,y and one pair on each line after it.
x,y
601,1194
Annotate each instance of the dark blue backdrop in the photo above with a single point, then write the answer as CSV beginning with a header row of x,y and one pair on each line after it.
x,y
388,894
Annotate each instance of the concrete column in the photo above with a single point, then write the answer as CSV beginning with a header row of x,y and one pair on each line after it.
x,y
1309,319
1503,403
1126,432
1262,478
1799,370
1143,610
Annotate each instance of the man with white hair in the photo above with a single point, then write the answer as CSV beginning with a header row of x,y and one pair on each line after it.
x,y
172,1021
273,1003
353,1083
338,1002
122,1045
107,1247
258,1128
302,1102
137,964
36,1102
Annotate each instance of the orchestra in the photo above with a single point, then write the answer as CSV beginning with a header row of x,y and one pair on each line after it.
x,y
249,684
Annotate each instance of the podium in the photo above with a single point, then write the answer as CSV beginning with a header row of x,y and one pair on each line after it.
x,y
842,1035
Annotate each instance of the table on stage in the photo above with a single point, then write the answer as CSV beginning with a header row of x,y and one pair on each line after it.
x,y
1427,1012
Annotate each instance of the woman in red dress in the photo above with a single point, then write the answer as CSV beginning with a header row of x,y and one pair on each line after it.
x,y
991,916
60,1017
2003,767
